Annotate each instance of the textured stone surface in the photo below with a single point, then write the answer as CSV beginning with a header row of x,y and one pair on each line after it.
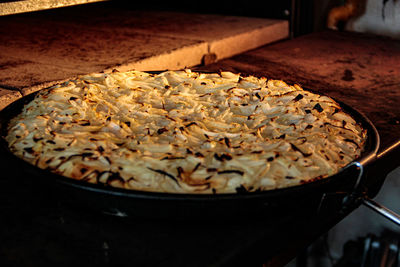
x,y
205,27
7,97
87,50
60,44
21,74
33,55
14,7
225,35
246,40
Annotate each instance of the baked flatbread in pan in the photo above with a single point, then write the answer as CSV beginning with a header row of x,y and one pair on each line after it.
x,y
185,132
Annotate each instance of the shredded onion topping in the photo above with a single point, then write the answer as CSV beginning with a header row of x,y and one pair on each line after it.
x,y
185,132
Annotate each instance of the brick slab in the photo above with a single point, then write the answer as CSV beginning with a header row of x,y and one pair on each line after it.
x,y
87,50
225,35
247,40
62,44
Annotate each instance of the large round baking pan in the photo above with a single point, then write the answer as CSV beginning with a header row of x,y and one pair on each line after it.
x,y
133,203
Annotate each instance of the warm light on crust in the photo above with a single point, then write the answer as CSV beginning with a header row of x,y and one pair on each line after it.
x,y
185,132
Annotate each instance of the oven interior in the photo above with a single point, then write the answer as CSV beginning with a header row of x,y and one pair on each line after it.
x,y
363,238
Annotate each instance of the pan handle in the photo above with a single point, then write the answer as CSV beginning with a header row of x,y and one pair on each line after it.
x,y
365,200
378,208
360,167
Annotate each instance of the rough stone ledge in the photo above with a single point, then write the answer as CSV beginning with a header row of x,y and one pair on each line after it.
x,y
38,57
8,96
